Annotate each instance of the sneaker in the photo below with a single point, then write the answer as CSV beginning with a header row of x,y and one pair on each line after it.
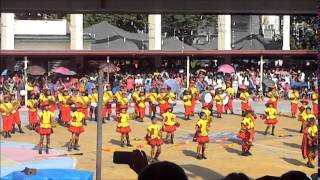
x,y
204,157
199,157
244,154
77,148
129,145
272,134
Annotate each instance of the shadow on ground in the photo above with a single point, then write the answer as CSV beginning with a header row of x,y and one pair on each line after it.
x,y
195,171
293,161
189,153
115,142
233,151
293,145
291,130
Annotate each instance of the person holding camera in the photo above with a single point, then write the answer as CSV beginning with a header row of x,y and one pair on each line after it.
x,y
154,139
123,127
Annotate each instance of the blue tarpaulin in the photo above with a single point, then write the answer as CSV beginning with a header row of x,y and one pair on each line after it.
x,y
51,174
298,84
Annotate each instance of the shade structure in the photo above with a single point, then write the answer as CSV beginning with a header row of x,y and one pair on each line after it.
x,y
226,68
62,70
36,70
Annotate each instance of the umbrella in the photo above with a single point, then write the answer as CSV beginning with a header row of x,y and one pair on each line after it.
x,y
268,82
226,68
72,73
4,72
173,84
61,70
109,68
36,70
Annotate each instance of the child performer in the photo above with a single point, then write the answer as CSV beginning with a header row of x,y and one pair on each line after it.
x,y
83,103
123,126
195,95
170,125
154,139
163,105
32,105
305,116
64,101
219,104
274,96
75,127
141,103
107,100
244,97
46,118
309,142
270,117
231,94
6,109
294,99
201,135
302,115
187,101
314,98
16,116
153,103
247,132
93,97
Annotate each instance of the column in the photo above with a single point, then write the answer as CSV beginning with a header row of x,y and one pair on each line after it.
x,y
154,26
7,31
76,30
224,32
286,33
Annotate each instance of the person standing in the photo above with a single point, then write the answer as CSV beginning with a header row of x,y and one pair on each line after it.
x,y
294,99
6,109
314,98
123,127
16,115
202,135
170,125
32,105
218,98
83,103
195,96
107,102
153,103
244,97
141,103
64,101
310,142
154,139
247,132
274,96
187,101
93,97
231,94
46,118
270,117
76,128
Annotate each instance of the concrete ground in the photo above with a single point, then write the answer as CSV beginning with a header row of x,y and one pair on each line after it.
x,y
272,155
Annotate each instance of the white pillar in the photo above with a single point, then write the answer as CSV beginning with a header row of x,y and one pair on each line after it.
x,y
188,71
7,31
76,30
224,32
261,73
286,33
154,25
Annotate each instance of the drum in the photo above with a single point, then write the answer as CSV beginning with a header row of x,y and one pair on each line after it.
x,y
205,97
225,99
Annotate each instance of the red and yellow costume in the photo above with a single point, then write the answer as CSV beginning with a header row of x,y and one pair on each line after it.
x,y
244,97
163,104
123,126
294,99
45,122
309,141
274,96
247,132
121,102
202,134
44,99
83,103
218,99
195,96
7,116
169,122
187,102
155,135
230,94
75,125
64,107
314,98
15,112
141,101
152,102
135,96
270,117
107,104
33,116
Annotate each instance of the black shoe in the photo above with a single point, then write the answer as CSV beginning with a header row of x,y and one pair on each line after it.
x,y
249,153
272,134
129,145
9,135
244,154
171,142
122,145
47,150
204,157
69,148
232,112
103,122
199,157
310,165
77,148
40,151
21,132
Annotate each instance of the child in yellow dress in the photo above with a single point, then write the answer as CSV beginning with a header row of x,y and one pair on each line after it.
x,y
123,127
